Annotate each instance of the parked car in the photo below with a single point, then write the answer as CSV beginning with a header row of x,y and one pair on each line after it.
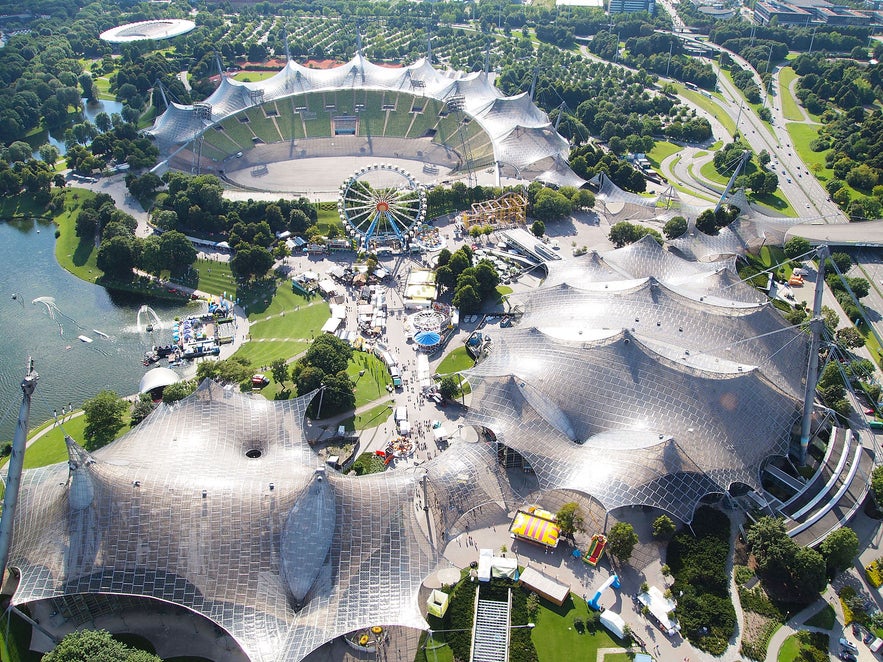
x,y
848,645
847,656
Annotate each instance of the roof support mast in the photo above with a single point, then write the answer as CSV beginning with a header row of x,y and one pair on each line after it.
x,y
816,326
16,464
742,161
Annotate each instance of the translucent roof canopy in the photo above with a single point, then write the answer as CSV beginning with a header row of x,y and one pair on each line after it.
x,y
638,377
521,135
218,504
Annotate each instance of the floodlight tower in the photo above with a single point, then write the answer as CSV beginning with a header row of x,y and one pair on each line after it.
x,y
16,464
816,326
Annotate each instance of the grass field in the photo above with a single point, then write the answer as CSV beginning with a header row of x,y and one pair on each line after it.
x,y
789,650
709,172
370,418
708,105
455,361
253,76
790,108
327,216
299,322
215,278
264,353
556,639
371,385
824,618
802,135
73,254
661,151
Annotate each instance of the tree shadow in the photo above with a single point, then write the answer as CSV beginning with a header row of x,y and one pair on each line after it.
x,y
82,252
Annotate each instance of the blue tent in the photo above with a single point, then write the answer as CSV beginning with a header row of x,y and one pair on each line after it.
x,y
427,338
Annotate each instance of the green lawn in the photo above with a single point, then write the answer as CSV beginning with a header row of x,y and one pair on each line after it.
x,y
824,618
619,657
254,76
50,448
215,278
708,105
556,639
264,353
709,172
790,107
776,201
793,646
661,151
73,254
455,361
371,385
802,135
370,418
295,323
327,217
789,650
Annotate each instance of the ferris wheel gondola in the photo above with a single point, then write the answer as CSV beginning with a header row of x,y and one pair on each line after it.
x,y
381,204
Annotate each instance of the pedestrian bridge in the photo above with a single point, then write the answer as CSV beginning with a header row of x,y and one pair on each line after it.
x,y
862,234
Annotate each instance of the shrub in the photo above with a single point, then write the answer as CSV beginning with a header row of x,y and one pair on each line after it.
x,y
367,463
874,575
699,565
742,574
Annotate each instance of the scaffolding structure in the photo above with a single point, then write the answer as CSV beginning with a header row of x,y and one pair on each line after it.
x,y
509,209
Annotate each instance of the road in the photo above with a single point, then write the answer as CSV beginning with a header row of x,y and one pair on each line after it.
x,y
803,190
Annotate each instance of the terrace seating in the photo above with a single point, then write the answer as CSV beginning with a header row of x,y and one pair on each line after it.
x,y
834,493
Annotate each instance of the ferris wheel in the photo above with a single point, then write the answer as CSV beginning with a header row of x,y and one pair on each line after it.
x,y
381,204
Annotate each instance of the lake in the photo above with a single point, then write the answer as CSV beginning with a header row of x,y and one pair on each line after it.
x,y
71,371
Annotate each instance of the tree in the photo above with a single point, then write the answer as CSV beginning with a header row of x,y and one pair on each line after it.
x,y
538,228
675,227
663,527
842,260
280,371
840,548
850,337
796,246
770,544
621,541
49,153
329,354
178,391
117,257
877,484
105,416
706,223
570,519
251,261
177,251
449,387
487,278
142,409
551,205
339,395
95,646
807,568
624,233
467,299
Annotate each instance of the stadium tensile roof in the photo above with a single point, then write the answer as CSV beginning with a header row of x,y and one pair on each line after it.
x,y
521,134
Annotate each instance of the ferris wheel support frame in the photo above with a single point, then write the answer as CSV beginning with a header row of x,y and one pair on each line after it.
x,y
385,212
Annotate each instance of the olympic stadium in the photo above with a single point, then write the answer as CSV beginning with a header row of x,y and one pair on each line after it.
x,y
441,125
630,378
142,30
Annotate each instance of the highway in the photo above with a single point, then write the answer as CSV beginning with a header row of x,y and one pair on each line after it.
x,y
801,188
